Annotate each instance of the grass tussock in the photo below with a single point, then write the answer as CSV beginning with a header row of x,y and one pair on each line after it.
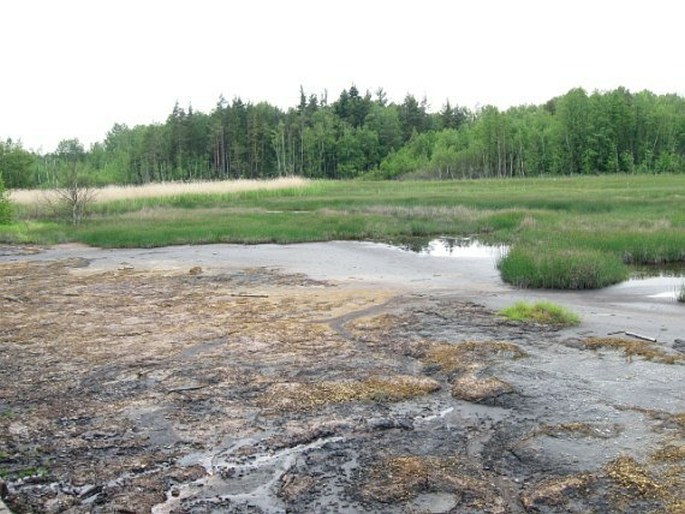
x,y
543,312
667,421
580,429
400,479
679,420
670,453
554,491
462,357
467,362
379,325
663,482
571,268
389,389
631,475
632,349
474,388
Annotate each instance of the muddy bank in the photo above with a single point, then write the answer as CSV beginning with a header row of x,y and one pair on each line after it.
x,y
214,379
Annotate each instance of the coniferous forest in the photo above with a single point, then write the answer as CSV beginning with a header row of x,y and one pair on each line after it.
x,y
366,135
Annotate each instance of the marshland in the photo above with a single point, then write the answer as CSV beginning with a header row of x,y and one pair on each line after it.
x,y
346,371
563,232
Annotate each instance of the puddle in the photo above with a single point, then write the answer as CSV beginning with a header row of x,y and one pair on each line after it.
x,y
455,247
663,287
657,282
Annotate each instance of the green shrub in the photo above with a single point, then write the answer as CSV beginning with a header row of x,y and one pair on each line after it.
x,y
543,312
569,268
5,206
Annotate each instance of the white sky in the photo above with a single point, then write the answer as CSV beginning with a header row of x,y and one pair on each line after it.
x,y
73,68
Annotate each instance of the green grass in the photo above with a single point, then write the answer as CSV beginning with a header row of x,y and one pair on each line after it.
x,y
543,312
569,232
566,268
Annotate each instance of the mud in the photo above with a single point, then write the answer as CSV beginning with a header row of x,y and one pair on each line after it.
x,y
325,378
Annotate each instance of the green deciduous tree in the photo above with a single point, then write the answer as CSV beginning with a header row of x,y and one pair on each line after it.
x,y
74,190
16,165
602,132
5,207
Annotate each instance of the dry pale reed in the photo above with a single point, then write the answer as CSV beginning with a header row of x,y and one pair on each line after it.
x,y
166,189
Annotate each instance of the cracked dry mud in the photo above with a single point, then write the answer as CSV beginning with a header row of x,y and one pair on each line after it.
x,y
255,390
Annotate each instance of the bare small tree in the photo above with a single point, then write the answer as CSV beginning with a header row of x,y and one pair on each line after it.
x,y
72,195
75,199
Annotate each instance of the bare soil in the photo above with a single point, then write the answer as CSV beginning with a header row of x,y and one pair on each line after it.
x,y
208,385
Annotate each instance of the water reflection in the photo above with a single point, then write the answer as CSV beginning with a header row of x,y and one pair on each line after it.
x,y
457,247
658,270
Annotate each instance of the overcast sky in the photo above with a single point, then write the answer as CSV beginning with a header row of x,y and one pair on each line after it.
x,y
73,68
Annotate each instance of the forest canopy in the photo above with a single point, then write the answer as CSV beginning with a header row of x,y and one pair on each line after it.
x,y
366,135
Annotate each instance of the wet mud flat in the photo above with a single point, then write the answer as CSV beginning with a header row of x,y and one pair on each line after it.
x,y
258,390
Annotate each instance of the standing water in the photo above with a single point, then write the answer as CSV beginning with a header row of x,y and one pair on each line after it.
x,y
456,247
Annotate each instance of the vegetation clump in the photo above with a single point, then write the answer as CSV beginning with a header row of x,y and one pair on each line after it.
x,y
466,356
631,475
670,453
467,364
402,478
473,388
543,312
580,429
569,268
632,348
391,389
554,491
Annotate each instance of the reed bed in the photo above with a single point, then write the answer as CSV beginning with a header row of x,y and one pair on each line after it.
x,y
115,193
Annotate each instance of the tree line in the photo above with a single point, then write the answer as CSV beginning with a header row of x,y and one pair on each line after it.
x,y
367,135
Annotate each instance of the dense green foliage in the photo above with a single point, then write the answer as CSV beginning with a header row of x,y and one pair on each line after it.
x,y
543,312
17,166
365,135
5,207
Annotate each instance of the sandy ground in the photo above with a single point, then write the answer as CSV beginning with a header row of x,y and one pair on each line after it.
x,y
328,377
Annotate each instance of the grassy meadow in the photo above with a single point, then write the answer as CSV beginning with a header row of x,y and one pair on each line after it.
x,y
570,232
